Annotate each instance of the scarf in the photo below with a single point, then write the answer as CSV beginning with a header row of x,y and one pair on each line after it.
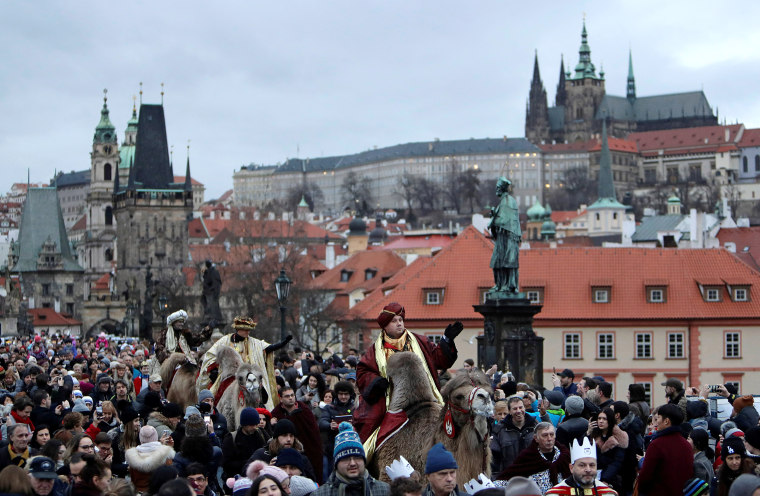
x,y
22,420
530,461
148,447
360,484
18,459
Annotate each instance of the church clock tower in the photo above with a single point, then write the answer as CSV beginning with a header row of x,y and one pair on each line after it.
x,y
99,250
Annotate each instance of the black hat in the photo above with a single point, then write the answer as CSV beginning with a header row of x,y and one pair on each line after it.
x,y
128,415
567,373
284,426
290,456
42,467
170,410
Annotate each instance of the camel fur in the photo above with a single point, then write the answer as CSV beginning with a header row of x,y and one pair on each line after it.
x,y
411,393
182,390
246,390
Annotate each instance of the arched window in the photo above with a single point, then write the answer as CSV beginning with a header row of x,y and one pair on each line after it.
x,y
107,172
757,163
109,255
745,165
109,216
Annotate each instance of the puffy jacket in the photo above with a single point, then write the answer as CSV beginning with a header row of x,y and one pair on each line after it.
x,y
572,427
508,441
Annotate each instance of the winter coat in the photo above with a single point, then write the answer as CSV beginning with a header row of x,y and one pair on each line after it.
x,y
144,459
508,441
569,390
668,464
238,447
181,462
680,401
641,409
308,433
610,452
161,424
703,467
46,416
368,485
747,418
266,456
555,416
634,427
572,427
328,414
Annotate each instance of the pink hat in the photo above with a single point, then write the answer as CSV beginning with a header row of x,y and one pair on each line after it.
x,y
258,468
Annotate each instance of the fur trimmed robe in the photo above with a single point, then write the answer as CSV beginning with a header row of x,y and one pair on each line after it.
x,y
370,412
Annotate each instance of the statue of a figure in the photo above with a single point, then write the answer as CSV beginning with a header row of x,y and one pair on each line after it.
x,y
212,286
505,230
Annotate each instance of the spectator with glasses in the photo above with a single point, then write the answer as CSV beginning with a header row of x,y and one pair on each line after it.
x,y
80,443
197,476
103,448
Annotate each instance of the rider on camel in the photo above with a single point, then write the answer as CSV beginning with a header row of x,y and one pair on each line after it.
x,y
371,376
177,337
251,350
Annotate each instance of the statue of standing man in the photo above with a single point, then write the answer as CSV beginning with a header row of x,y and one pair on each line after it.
x,y
212,287
507,235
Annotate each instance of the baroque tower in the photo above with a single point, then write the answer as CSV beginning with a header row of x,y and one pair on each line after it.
x,y
585,91
99,244
537,111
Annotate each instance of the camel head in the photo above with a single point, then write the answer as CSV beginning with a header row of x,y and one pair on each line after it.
x,y
468,396
250,379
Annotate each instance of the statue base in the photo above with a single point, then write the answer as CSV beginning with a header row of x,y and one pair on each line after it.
x,y
509,340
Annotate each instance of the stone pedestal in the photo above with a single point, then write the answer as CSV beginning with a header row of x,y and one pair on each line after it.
x,y
509,340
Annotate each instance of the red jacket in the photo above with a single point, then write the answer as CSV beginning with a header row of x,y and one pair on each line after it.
x,y
369,414
308,433
668,464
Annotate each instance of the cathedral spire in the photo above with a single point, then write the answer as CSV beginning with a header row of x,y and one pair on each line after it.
x,y
606,188
131,182
188,181
537,113
105,132
116,182
561,97
631,91
585,68
536,72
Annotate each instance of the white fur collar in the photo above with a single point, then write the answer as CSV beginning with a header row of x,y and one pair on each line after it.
x,y
143,461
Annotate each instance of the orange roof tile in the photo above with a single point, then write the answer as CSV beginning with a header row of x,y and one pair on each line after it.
x,y
751,137
687,140
48,317
414,242
386,263
81,224
746,239
562,216
615,144
181,179
569,274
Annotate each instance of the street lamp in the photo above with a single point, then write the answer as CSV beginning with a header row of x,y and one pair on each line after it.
x,y
163,305
282,285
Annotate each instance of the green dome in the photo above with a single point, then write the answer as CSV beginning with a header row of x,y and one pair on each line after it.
x,y
674,200
536,212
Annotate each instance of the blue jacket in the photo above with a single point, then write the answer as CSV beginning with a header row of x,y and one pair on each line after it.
x,y
569,390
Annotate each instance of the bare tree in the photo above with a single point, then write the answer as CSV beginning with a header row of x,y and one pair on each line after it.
x,y
408,190
470,187
428,193
307,190
452,186
357,193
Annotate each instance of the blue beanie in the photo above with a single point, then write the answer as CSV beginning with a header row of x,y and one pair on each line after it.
x,y
347,443
290,456
249,416
439,458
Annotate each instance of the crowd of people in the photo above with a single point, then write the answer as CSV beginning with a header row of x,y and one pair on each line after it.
x,y
89,417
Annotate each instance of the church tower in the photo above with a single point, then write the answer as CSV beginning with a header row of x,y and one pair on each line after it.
x,y
560,98
98,250
537,111
606,214
630,93
152,214
585,91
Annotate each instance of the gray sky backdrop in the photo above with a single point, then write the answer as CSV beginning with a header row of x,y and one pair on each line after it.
x,y
259,81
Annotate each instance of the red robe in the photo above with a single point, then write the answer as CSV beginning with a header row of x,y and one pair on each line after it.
x,y
369,414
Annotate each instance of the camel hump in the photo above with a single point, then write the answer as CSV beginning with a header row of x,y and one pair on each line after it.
x,y
408,376
229,361
405,362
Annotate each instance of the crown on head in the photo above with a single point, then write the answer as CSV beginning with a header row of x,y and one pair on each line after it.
x,y
585,450
399,468
476,485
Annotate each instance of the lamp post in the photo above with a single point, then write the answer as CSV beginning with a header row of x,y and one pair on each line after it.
x,y
163,305
282,285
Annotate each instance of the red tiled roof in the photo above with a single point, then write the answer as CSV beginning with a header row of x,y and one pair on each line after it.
x,y
181,179
413,242
569,274
48,317
81,224
562,216
225,195
751,137
103,282
386,263
705,139
615,144
746,239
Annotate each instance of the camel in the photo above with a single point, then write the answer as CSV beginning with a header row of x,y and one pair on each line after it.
x,y
467,407
179,377
245,389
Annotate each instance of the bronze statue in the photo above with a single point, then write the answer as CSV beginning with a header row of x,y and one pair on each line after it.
x,y
505,230
212,286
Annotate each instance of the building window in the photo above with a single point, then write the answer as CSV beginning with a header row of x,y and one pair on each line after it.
x,y
572,345
675,345
647,391
741,294
732,345
712,294
643,345
757,163
601,295
605,345
534,296
369,274
69,290
46,290
435,339
70,308
345,275
107,172
745,165
434,297
656,295
109,216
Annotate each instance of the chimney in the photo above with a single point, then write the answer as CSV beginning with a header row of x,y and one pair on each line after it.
x,y
329,256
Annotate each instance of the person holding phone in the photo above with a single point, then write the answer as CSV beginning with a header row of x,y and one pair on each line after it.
x,y
341,409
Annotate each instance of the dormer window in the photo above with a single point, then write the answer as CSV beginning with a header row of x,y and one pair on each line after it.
x,y
434,296
369,274
345,275
535,295
656,294
712,294
601,295
740,293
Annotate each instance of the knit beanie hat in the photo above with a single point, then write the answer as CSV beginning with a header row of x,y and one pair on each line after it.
x,y
520,486
752,436
148,434
170,410
80,407
439,458
241,486
744,484
190,410
249,416
259,468
128,415
284,426
301,486
264,412
574,405
289,456
204,395
743,401
347,443
732,446
195,426
555,398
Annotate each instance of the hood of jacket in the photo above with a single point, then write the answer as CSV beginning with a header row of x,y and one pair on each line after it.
x,y
619,438
150,461
696,409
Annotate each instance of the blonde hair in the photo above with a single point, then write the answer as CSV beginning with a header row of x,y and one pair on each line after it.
x,y
500,405
108,407
14,480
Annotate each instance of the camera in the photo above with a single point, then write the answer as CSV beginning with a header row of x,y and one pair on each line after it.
x,y
715,388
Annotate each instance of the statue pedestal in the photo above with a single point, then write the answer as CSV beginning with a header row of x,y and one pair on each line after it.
x,y
509,340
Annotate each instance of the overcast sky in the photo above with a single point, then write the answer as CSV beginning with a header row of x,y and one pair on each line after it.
x,y
264,81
